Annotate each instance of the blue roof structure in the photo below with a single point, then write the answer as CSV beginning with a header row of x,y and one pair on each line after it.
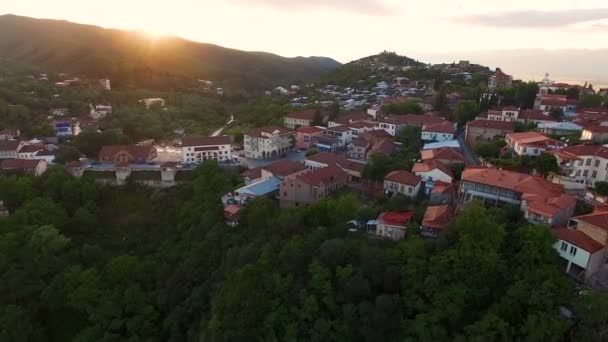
x,y
563,126
447,143
261,188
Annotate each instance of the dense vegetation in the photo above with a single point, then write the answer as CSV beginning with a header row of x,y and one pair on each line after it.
x,y
85,262
131,60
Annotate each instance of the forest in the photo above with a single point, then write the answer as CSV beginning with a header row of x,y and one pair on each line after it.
x,y
82,261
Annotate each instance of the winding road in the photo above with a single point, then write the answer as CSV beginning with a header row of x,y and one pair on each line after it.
x,y
221,129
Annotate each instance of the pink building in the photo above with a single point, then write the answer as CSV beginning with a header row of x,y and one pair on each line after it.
x,y
305,136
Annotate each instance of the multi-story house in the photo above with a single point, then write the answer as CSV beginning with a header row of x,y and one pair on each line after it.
x,y
305,118
9,134
582,244
431,171
268,142
30,151
34,167
10,149
343,133
535,116
306,136
126,154
393,224
499,80
393,124
509,114
586,164
595,133
483,131
199,149
403,183
435,219
445,155
541,201
559,128
311,186
531,143
441,131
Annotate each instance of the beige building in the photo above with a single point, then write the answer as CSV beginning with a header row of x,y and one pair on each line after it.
x,y
300,119
402,182
199,149
393,225
268,142
483,131
312,186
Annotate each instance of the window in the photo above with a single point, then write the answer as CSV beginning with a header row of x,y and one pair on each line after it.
x,y
578,173
580,163
585,173
597,163
587,162
573,250
594,174
564,246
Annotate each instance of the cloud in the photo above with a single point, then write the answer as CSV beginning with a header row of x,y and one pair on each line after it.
x,y
365,7
534,19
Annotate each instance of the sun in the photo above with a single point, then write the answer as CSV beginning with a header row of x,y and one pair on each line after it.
x,y
154,34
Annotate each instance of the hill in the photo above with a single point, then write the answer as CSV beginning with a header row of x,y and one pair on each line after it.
x,y
131,59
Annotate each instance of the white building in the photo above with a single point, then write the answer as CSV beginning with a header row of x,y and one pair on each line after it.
x,y
105,83
509,114
531,143
199,149
153,101
268,142
441,131
402,182
585,164
431,171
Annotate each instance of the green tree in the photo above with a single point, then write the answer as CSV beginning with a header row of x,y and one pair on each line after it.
x,y
601,188
546,163
66,154
557,113
590,100
466,110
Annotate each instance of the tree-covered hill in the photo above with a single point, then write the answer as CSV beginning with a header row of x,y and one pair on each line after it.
x,y
129,58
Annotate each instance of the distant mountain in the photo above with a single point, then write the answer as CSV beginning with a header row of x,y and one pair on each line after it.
x,y
131,59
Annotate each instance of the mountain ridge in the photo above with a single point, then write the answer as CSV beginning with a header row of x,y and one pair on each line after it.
x,y
129,58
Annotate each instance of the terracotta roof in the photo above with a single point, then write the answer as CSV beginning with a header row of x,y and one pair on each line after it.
x,y
385,146
31,148
325,176
577,238
231,211
597,218
361,124
205,141
446,153
138,152
341,128
440,187
597,129
9,145
351,117
330,158
395,218
302,115
412,119
501,125
403,177
254,173
532,114
518,182
310,130
553,102
440,127
257,133
360,142
375,134
19,164
284,168
550,206
430,165
437,216
577,151
533,139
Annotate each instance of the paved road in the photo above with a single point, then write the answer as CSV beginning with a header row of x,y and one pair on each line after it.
x,y
466,149
221,129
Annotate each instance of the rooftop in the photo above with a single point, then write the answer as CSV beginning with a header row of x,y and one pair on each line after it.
x,y
303,115
138,152
323,176
206,141
395,218
440,127
446,153
284,168
9,145
431,165
403,177
262,131
310,130
491,124
577,238
437,216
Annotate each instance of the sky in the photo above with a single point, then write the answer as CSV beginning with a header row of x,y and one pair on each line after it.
x,y
348,29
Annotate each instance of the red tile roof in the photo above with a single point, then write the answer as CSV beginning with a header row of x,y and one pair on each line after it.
x,y
412,119
403,177
19,164
437,216
361,124
254,173
597,129
257,133
303,115
351,117
395,218
31,148
9,145
533,139
310,130
440,187
597,218
205,141
440,127
431,165
341,128
532,114
284,168
555,102
375,134
324,176
137,152
446,153
577,238
577,151
499,125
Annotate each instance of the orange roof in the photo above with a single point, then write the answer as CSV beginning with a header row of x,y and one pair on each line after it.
x,y
577,238
206,141
532,139
284,168
576,151
323,176
431,165
310,130
395,218
303,115
437,216
440,187
412,119
597,218
551,206
440,127
254,173
19,164
500,125
403,177
351,117
257,133
446,153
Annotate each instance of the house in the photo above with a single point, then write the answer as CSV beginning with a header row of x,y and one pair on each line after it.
x,y
35,167
508,114
305,118
559,128
282,169
30,151
541,201
198,149
9,134
349,118
357,149
393,224
481,131
311,186
252,175
343,133
120,154
597,134
582,244
261,188
66,128
359,127
393,124
306,136
442,193
435,219
326,143
325,159
268,142
440,131
105,84
444,155
431,171
403,183
499,80
550,102
531,143
10,149
585,164
232,215
535,116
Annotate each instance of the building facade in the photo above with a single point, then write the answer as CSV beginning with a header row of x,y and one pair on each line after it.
x,y
198,149
268,142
